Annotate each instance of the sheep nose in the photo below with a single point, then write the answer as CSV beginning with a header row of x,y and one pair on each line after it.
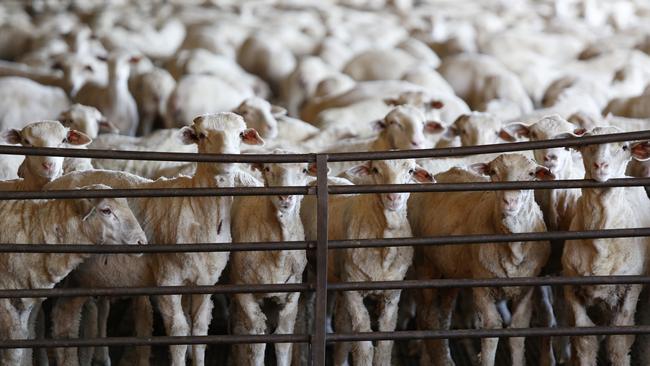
x,y
392,197
550,157
47,166
415,143
602,165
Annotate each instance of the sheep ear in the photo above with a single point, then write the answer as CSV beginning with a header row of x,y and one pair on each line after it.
x,y
513,130
312,170
436,104
543,173
188,136
481,168
433,127
135,59
378,125
250,137
641,150
78,138
278,111
362,170
12,136
106,126
422,176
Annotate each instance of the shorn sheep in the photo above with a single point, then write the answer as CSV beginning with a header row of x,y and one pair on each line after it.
x,y
82,221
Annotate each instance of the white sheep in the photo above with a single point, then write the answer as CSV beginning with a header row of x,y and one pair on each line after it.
x,y
82,221
186,220
265,56
268,218
598,209
114,100
489,212
151,90
36,171
384,216
558,205
23,100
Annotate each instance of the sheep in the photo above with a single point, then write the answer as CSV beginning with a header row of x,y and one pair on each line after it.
x,y
86,119
302,82
384,217
266,57
151,90
488,212
476,128
23,100
633,107
96,221
36,171
271,121
114,100
268,218
198,94
598,209
188,220
558,205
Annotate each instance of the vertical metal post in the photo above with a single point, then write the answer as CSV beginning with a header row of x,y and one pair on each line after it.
x,y
320,317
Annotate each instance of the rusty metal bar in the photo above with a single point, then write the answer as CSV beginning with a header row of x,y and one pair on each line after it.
x,y
154,341
336,189
333,157
341,286
489,333
335,337
155,192
318,340
332,244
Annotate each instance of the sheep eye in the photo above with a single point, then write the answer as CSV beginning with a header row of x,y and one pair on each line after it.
x,y
463,132
305,171
411,171
492,172
64,140
375,171
267,169
26,141
106,211
531,174
566,148
624,147
202,136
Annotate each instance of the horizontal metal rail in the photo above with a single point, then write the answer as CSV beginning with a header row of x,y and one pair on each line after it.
x,y
335,189
332,157
337,286
330,337
333,244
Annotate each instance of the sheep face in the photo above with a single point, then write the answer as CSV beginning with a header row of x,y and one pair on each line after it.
x,y
88,120
220,133
508,168
606,161
288,175
405,127
550,127
110,220
475,129
46,134
261,115
392,172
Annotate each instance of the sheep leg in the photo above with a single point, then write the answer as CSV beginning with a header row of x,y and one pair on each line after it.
x,y
176,324
249,320
585,349
436,313
618,346
342,324
521,319
387,323
143,315
201,316
66,318
101,356
489,318
362,352
286,324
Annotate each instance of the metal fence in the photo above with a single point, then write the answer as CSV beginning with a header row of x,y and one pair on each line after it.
x,y
322,190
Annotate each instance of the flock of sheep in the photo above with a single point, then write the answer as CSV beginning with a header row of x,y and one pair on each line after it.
x,y
273,76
